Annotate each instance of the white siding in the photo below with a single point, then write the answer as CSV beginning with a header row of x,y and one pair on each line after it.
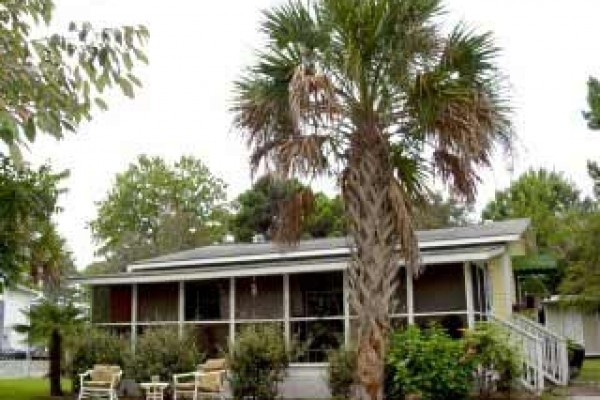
x,y
15,301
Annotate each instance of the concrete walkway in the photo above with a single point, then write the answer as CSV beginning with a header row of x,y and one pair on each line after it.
x,y
584,398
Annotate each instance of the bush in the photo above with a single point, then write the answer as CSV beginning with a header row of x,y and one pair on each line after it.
x,y
161,351
96,346
429,363
341,372
258,363
497,362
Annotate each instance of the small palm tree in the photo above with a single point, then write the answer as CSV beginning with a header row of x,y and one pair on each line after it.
x,y
374,93
52,321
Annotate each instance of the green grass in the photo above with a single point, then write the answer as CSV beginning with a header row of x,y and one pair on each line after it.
x,y
590,372
27,389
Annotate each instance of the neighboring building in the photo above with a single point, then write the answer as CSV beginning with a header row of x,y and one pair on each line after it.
x,y
13,301
215,290
581,326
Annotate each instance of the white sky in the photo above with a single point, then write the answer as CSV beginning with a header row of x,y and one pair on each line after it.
x,y
197,48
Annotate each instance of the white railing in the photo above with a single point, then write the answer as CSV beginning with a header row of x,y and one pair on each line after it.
x,y
554,350
529,346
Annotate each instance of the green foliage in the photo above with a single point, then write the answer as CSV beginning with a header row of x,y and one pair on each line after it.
x,y
53,322
541,195
592,115
493,353
258,362
429,362
438,212
258,209
156,208
29,241
161,351
97,346
581,284
52,83
341,372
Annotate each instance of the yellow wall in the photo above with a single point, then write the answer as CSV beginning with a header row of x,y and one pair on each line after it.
x,y
499,289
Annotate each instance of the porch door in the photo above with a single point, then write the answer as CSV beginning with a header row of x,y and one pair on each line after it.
x,y
591,333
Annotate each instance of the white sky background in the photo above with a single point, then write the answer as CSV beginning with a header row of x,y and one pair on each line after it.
x,y
197,48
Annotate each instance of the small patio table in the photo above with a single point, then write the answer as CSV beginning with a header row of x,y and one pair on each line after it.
x,y
154,390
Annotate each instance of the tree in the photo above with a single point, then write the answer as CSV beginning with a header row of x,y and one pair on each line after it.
x,y
581,283
544,196
374,93
156,208
592,116
257,210
439,212
28,238
594,173
52,321
52,83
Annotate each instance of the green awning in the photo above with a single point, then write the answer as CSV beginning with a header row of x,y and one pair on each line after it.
x,y
534,264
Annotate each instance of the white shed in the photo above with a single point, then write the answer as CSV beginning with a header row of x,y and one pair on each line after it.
x,y
13,301
580,326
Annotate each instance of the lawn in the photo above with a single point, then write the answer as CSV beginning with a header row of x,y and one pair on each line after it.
x,y
590,372
27,389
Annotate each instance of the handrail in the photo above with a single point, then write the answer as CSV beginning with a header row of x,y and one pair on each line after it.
x,y
535,325
531,349
554,350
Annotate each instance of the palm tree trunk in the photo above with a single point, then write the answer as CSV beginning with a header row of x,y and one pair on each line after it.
x,y
55,350
374,266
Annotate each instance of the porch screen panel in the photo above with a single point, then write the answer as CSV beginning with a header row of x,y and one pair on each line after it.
x,y
259,297
317,338
207,300
453,324
317,294
111,304
158,302
440,288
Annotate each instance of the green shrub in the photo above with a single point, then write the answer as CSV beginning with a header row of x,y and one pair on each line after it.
x,y
161,351
341,372
497,361
430,363
97,346
258,363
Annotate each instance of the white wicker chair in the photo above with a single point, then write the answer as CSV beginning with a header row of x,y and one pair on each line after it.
x,y
207,381
101,381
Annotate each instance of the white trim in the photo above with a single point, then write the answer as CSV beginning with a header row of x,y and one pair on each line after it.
x,y
507,275
181,307
257,270
286,309
410,300
231,313
346,300
469,294
312,253
134,311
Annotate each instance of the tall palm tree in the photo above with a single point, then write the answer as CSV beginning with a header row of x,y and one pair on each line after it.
x,y
375,93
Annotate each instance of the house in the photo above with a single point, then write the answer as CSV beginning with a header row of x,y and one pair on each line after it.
x,y
580,325
13,301
216,290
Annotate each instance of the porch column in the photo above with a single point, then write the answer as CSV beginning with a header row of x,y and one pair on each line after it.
x,y
469,294
231,313
286,310
346,294
134,310
507,282
181,308
410,304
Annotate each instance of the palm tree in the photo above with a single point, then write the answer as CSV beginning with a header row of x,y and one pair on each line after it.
x,y
52,321
374,93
